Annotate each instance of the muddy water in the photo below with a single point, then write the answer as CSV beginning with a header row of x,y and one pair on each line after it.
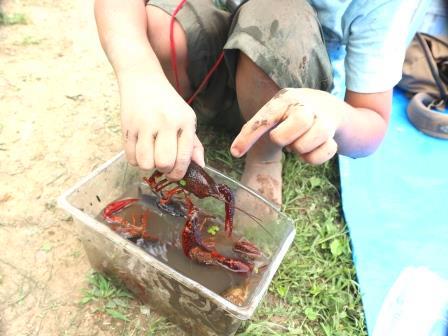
x,y
168,249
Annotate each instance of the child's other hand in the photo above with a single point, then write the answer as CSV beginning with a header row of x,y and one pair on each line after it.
x,y
303,120
159,127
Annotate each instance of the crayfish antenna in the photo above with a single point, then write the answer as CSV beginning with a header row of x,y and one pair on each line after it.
x,y
229,199
255,219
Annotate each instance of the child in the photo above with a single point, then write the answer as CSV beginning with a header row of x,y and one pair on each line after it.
x,y
274,81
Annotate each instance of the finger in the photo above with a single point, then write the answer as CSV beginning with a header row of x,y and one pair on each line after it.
x,y
165,150
298,121
321,154
198,152
184,151
130,140
145,150
265,119
313,138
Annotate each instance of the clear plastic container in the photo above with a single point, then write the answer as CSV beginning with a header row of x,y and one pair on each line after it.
x,y
194,307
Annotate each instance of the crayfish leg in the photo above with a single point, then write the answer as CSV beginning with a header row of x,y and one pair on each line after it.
x,y
229,199
162,184
170,193
114,207
234,265
248,248
151,181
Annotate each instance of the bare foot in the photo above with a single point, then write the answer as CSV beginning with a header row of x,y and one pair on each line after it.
x,y
265,178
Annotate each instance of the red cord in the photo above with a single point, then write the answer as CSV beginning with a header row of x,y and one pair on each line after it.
x,y
207,77
173,45
174,58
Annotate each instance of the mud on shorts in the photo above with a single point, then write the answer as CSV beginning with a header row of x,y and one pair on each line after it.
x,y
283,37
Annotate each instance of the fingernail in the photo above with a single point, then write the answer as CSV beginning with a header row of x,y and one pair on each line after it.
x,y
200,161
235,152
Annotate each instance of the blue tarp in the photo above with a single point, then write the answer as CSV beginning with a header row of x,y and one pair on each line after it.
x,y
395,204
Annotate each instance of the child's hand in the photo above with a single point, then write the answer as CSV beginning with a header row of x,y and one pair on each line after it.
x,y
159,127
303,120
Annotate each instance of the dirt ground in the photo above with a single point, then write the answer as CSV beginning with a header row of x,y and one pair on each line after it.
x,y
58,120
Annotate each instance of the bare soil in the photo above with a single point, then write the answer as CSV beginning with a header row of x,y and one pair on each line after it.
x,y
59,119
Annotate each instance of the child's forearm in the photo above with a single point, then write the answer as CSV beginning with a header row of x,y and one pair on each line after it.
x,y
122,28
364,123
361,133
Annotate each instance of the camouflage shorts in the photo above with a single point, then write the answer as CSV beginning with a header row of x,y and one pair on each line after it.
x,y
283,37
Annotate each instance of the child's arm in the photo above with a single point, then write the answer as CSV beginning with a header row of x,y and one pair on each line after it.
x,y
122,28
315,124
158,126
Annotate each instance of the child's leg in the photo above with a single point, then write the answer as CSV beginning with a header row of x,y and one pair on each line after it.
x,y
200,33
273,45
263,167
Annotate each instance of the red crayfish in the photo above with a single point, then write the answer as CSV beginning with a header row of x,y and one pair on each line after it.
x,y
205,253
124,227
199,183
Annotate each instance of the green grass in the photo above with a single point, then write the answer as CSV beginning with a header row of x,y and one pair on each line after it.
x,y
110,298
12,19
127,316
314,291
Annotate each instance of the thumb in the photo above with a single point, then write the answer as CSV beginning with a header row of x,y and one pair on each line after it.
x,y
198,152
